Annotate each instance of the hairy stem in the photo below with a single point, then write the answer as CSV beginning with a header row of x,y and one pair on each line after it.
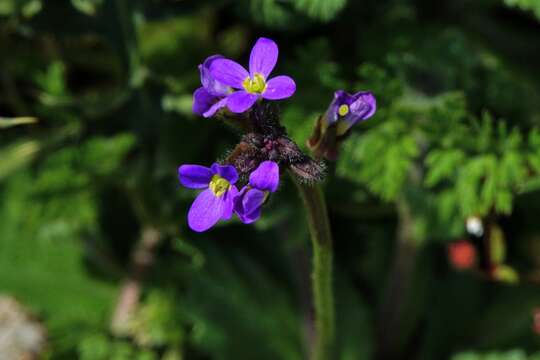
x,y
321,238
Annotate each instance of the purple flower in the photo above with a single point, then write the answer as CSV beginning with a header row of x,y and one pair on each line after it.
x,y
346,110
262,181
211,96
214,203
254,84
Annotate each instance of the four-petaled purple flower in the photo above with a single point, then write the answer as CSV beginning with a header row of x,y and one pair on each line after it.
x,y
214,203
211,96
254,84
262,181
346,110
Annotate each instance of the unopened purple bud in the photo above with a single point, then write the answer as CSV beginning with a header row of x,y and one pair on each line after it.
x,y
344,112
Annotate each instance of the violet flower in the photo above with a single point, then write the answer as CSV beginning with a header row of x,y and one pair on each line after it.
x,y
214,203
211,96
346,110
254,84
262,181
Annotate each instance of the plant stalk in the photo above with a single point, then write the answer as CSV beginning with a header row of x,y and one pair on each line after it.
x,y
321,238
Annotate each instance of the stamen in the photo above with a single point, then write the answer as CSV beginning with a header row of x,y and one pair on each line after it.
x,y
219,185
255,85
343,110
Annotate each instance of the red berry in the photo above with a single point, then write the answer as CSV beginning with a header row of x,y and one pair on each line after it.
x,y
462,255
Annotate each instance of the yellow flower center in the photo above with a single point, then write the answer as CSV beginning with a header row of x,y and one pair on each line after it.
x,y
343,110
219,185
255,85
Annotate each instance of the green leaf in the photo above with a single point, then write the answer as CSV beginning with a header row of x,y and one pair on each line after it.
x,y
509,355
442,165
506,274
31,8
10,122
88,7
271,13
497,245
51,275
17,155
323,10
527,5
27,8
101,155
395,149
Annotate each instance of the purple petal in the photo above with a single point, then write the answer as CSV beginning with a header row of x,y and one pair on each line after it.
x,y
252,216
202,101
363,107
215,108
205,211
228,72
252,200
280,87
365,103
248,204
237,201
265,177
343,97
213,86
195,176
263,57
241,101
340,98
225,171
228,199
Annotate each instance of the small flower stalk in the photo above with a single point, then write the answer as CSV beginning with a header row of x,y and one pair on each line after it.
x,y
335,125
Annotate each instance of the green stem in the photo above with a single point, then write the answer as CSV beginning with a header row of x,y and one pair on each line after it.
x,y
321,237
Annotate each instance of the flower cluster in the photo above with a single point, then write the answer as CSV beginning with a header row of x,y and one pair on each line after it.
x,y
236,93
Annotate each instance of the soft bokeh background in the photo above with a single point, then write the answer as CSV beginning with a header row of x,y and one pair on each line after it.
x,y
95,253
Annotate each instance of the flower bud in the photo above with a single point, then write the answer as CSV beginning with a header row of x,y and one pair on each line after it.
x,y
344,112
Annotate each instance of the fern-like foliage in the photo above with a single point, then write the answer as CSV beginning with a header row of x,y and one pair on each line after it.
x,y
323,10
458,164
288,13
527,5
502,355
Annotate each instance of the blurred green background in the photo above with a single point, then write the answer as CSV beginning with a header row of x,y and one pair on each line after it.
x,y
93,236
